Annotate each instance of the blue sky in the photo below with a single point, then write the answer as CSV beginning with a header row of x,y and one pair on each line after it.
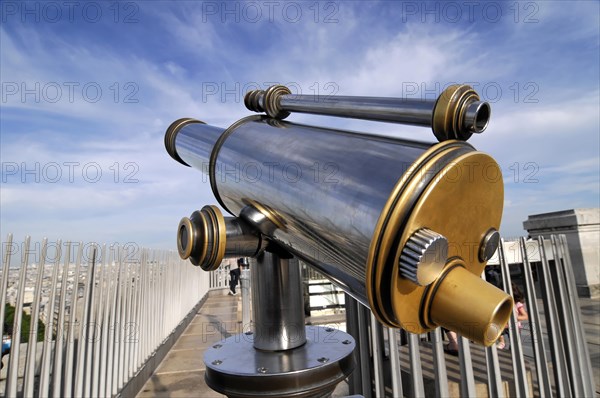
x,y
89,88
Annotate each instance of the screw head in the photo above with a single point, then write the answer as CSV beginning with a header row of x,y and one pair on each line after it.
x,y
346,342
248,333
217,346
488,245
217,362
262,369
323,360
329,330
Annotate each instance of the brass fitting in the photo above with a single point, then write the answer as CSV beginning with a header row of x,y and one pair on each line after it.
x,y
206,237
459,113
463,302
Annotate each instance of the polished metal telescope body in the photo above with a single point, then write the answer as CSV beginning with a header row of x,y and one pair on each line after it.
x,y
456,114
403,226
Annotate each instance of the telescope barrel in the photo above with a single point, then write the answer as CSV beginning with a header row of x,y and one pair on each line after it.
x,y
456,114
393,222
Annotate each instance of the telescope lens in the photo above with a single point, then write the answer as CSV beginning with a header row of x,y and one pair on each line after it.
x,y
183,237
477,116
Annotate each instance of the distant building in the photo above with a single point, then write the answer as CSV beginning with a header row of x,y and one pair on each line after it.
x,y
582,229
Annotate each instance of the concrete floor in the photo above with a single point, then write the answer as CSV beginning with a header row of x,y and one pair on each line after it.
x,y
181,373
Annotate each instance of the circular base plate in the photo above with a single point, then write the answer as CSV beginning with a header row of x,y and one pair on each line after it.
x,y
235,368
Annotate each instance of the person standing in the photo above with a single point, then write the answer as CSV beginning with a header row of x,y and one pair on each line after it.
x,y
234,274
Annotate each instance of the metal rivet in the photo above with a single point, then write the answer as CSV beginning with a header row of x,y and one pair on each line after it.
x,y
217,346
346,342
329,330
323,360
217,362
262,369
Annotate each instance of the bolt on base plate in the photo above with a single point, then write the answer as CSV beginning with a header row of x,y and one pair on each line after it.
x,y
235,368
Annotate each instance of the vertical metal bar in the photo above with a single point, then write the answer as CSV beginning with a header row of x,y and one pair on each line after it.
x,y
106,387
13,360
519,370
84,337
133,317
162,297
583,350
144,323
127,324
554,333
355,385
567,324
33,326
153,315
245,282
377,357
365,362
395,363
5,272
113,353
467,378
140,310
99,321
416,369
68,369
122,326
439,363
537,336
494,375
90,331
50,324
148,307
133,328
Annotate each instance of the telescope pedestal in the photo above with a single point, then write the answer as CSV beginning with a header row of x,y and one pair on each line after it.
x,y
237,369
282,357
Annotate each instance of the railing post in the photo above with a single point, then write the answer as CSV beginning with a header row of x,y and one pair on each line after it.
x,y
245,282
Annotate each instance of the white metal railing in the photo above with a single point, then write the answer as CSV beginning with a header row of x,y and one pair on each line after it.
x,y
219,278
106,310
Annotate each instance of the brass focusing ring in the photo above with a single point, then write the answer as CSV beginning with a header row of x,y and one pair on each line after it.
x,y
423,256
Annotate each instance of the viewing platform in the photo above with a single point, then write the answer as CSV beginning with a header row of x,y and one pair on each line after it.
x,y
181,373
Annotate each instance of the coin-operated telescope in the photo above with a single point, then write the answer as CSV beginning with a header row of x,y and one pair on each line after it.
x,y
405,227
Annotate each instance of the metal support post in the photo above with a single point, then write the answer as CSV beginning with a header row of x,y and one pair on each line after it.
x,y
281,357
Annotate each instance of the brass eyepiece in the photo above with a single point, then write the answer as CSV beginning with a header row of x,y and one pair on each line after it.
x,y
206,237
463,302
459,113
201,238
